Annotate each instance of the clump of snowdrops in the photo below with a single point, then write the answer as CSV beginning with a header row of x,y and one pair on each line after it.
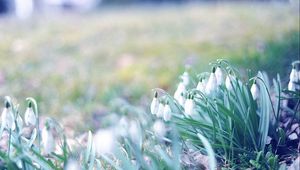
x,y
236,122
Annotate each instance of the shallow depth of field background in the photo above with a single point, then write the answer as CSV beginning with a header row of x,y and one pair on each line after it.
x,y
76,64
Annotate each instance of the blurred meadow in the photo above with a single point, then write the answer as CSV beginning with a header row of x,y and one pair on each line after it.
x,y
76,64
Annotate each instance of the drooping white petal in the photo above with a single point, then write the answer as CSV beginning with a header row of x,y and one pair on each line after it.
x,y
48,140
189,107
179,91
159,128
294,75
254,91
30,118
291,86
219,76
211,85
228,82
160,111
201,86
7,117
154,105
167,113
185,78
105,141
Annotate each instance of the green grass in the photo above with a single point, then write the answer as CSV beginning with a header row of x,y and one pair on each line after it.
x,y
75,64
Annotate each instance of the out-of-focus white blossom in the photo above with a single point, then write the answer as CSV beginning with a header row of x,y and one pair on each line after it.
x,y
291,86
159,128
294,79
7,117
48,140
72,165
122,127
181,90
154,104
30,118
167,112
201,86
219,76
105,141
189,106
211,85
160,111
294,75
135,133
185,78
254,90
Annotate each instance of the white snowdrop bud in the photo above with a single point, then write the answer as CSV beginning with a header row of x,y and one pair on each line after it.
x,y
105,141
179,93
72,165
201,86
211,85
294,75
7,117
189,106
185,78
154,104
254,90
48,140
160,111
159,128
167,112
135,133
30,118
219,76
228,82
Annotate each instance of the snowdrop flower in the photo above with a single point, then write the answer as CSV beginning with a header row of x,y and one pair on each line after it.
x,y
294,75
105,141
135,133
228,82
48,139
201,86
185,78
254,90
159,128
219,76
292,86
7,117
160,111
123,126
167,112
212,83
154,104
30,118
72,165
189,106
181,90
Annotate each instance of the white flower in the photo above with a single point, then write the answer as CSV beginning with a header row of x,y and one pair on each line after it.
x,y
179,93
154,104
105,141
48,139
7,117
291,86
123,126
159,128
135,133
29,117
228,82
167,112
185,78
201,86
211,85
72,165
160,111
189,106
219,76
254,90
293,75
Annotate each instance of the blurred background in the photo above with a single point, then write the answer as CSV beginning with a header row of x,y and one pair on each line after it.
x,y
77,56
